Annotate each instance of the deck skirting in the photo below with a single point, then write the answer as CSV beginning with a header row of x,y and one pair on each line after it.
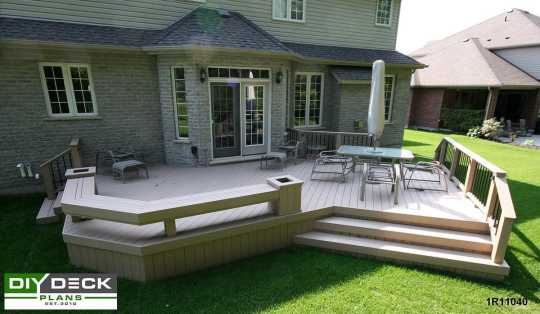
x,y
192,251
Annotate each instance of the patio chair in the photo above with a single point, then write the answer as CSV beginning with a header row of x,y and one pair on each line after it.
x,y
293,149
124,162
281,157
435,174
376,172
331,163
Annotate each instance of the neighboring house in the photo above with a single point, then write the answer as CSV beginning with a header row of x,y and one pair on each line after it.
x,y
226,77
493,67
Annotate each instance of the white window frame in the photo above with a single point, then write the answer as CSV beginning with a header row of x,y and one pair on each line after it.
x,y
70,94
175,105
289,15
390,17
391,106
308,100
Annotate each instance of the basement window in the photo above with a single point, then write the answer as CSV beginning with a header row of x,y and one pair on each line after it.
x,y
68,89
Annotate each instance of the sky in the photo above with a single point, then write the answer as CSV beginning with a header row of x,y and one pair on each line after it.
x,y
425,20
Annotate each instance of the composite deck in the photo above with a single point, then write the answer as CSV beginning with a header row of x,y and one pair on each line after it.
x,y
184,219
328,191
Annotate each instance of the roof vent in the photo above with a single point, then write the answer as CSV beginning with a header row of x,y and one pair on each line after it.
x,y
507,37
224,13
489,39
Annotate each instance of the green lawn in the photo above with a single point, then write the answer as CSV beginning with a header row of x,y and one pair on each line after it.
x,y
300,280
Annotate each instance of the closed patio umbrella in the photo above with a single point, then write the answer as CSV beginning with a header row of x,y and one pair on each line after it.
x,y
376,103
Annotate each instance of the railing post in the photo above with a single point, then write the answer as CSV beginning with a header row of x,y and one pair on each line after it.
x,y
339,140
501,239
471,173
455,162
491,201
290,195
170,227
442,151
46,177
75,153
75,173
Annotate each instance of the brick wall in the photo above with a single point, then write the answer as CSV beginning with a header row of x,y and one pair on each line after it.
x,y
426,107
126,90
198,102
354,105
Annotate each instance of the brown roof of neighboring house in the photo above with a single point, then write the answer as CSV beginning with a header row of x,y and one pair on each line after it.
x,y
469,64
511,29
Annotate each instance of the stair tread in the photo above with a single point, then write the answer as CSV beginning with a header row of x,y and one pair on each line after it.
x,y
403,216
408,229
58,200
46,212
411,249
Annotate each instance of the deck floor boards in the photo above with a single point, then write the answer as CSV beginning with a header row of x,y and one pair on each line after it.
x,y
166,182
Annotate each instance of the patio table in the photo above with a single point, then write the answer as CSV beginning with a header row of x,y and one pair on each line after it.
x,y
396,155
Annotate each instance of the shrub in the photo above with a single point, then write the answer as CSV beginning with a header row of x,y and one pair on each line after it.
x,y
474,132
490,129
460,120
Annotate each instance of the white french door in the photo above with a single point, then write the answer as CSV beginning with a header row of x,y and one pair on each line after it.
x,y
254,118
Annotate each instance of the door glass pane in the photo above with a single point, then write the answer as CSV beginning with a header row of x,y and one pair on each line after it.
x,y
254,129
223,116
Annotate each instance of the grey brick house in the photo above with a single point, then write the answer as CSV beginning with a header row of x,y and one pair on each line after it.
x,y
226,77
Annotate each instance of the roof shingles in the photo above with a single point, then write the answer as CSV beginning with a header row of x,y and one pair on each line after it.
x,y
202,27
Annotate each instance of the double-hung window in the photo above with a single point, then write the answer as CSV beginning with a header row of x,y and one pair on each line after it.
x,y
289,10
389,82
308,99
68,89
180,104
383,14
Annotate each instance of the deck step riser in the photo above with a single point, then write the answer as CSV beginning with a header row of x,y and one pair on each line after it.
x,y
414,220
492,272
439,242
46,214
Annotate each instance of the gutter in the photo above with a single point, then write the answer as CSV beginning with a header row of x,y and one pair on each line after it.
x,y
198,48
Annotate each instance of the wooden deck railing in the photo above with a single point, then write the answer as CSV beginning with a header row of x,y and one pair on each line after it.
x,y
52,170
319,140
485,184
81,201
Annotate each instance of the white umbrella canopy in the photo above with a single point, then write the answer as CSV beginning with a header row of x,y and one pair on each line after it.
x,y
376,101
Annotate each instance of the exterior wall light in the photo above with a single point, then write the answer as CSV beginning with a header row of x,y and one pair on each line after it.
x,y
203,75
279,77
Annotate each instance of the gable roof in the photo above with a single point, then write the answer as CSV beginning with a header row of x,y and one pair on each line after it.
x,y
217,28
511,29
469,64
354,55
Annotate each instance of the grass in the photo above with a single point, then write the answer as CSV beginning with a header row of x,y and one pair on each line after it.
x,y
300,280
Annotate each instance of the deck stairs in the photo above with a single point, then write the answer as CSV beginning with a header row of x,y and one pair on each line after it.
x,y
50,210
441,243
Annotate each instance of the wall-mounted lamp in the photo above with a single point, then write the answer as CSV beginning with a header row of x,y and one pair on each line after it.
x,y
279,77
203,75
